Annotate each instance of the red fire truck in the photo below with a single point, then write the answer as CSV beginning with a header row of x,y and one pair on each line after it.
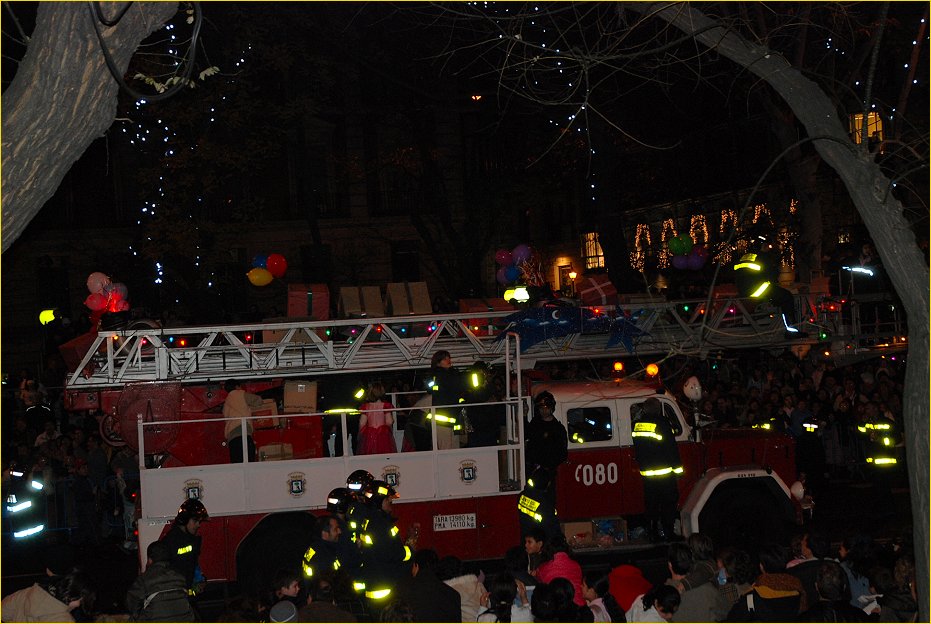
x,y
164,399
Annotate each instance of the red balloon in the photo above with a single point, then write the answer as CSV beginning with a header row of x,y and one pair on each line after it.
x,y
96,302
276,265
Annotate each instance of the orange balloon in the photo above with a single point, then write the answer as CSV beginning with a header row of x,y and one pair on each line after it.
x,y
260,277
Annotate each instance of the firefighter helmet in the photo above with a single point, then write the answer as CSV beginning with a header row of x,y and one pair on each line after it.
x,y
338,500
358,480
377,492
191,509
546,398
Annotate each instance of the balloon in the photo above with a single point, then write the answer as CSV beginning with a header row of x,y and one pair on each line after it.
x,y
694,261
680,262
503,257
276,265
501,275
117,291
259,261
123,306
96,302
700,250
96,281
675,246
260,277
692,388
520,254
511,272
687,243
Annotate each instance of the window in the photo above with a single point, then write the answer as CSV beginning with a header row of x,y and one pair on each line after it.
x,y
589,424
591,251
874,128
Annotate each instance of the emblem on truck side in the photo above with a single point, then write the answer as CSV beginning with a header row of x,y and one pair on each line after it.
x,y
391,475
296,484
194,488
467,471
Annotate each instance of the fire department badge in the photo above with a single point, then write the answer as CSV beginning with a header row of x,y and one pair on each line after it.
x,y
391,475
194,489
296,484
467,471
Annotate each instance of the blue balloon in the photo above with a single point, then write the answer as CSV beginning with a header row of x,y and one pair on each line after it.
x,y
259,261
511,272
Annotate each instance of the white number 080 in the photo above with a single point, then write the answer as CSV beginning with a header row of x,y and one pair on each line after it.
x,y
597,474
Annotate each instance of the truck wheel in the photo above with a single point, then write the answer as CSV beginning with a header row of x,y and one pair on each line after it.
x,y
743,518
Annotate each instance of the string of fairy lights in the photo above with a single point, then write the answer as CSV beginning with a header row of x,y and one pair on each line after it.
x,y
143,131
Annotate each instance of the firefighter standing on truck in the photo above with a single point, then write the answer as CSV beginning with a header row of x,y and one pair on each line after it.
x,y
184,543
383,550
536,506
448,390
660,466
757,277
546,440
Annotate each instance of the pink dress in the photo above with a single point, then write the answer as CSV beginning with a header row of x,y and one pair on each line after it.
x,y
375,437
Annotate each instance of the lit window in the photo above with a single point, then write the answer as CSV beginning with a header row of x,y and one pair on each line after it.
x,y
874,128
591,251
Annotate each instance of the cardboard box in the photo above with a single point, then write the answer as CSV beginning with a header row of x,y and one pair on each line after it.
x,y
406,298
596,290
300,397
275,452
268,408
360,302
309,300
610,531
579,534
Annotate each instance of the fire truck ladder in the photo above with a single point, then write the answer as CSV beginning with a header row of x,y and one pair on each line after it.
x,y
274,350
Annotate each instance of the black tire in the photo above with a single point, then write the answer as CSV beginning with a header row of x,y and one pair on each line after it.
x,y
743,517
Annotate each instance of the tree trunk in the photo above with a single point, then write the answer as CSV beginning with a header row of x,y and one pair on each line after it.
x,y
62,98
883,215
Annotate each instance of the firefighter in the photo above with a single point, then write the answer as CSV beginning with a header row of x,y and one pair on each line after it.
x,y
24,501
338,503
357,512
657,454
185,543
547,443
484,421
880,438
446,387
383,550
536,506
757,277
325,553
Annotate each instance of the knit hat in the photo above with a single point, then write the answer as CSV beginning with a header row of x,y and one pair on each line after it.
x,y
283,611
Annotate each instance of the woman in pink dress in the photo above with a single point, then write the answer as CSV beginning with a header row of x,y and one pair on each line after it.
x,y
375,435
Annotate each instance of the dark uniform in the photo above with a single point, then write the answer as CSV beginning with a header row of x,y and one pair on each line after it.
x,y
757,277
447,388
484,421
185,547
536,506
880,437
24,507
547,443
383,551
660,466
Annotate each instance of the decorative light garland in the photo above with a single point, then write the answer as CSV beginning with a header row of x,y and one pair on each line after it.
x,y
699,229
638,256
669,225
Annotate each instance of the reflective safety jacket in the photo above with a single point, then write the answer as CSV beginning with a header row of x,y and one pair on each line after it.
x,y
320,557
655,446
356,517
536,508
882,436
383,552
448,388
185,551
755,274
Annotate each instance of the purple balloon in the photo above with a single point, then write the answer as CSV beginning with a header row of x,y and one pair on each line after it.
x,y
501,276
511,272
503,257
680,262
695,261
520,254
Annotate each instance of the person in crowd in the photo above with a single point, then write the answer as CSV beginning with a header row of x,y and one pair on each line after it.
x,y
49,432
857,558
568,609
626,583
815,548
832,604
899,602
54,601
283,611
506,601
546,440
534,541
657,605
430,598
184,543
517,561
657,455
557,562
774,596
375,422
286,585
596,591
701,603
321,605
239,404
735,574
468,586
159,594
